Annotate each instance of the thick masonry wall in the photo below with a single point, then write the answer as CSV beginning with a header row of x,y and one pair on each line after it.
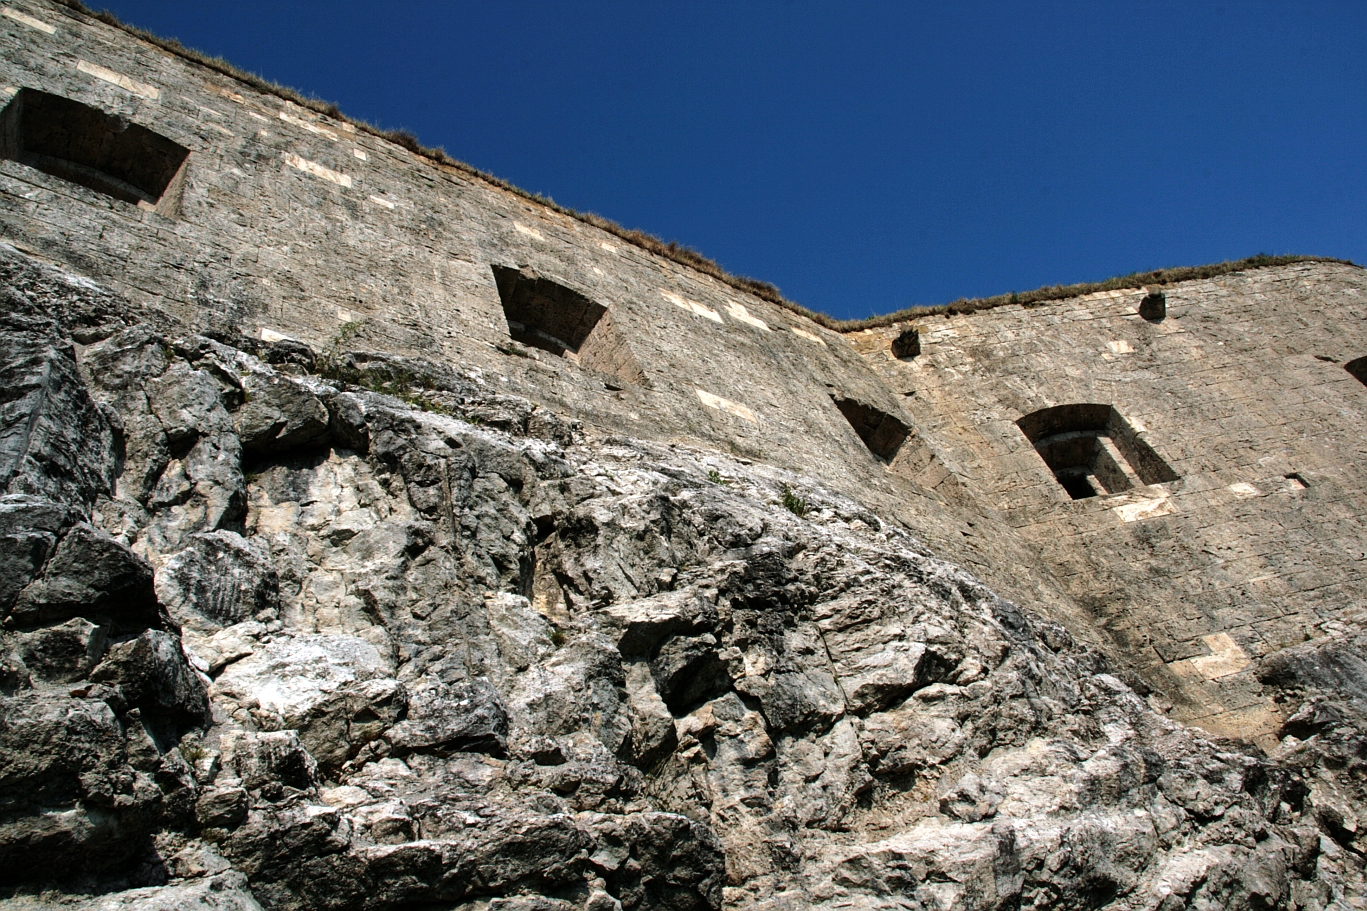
x,y
1241,390
282,223
298,225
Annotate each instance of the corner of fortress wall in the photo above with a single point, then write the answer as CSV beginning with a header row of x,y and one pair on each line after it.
x,y
1222,442
1252,541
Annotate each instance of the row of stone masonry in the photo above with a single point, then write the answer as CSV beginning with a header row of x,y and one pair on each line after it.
x,y
217,228
1242,390
283,210
289,225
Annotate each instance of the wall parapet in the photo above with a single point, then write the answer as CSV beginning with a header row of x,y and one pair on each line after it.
x,y
673,250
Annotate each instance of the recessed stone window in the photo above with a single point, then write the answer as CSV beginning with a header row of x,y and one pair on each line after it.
x,y
547,315
1154,306
1092,450
100,151
1358,368
880,431
907,345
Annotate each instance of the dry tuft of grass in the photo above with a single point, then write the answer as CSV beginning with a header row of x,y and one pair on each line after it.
x,y
407,140
687,256
1051,293
404,139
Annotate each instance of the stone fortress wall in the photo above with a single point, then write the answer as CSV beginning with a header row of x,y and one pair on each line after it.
x,y
1227,431
1240,388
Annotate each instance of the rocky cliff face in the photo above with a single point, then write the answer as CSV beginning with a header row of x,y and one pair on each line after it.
x,y
298,629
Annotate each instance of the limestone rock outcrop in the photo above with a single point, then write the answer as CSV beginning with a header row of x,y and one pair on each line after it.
x,y
273,638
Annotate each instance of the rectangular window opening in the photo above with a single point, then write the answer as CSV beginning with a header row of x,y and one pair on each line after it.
x,y
1358,369
84,145
1092,450
1078,485
546,315
881,432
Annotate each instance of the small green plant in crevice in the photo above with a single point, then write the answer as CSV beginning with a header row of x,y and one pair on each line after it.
x,y
421,402
515,349
332,363
793,503
193,750
715,477
349,330
557,637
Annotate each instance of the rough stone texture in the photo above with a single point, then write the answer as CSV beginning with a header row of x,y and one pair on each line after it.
x,y
319,590
400,261
1258,544
219,580
221,892
472,668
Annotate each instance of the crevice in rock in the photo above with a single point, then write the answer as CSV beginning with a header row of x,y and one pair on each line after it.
x,y
881,432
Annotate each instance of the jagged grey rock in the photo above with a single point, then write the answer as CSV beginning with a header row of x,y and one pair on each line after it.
x,y
61,654
337,692
452,650
218,580
151,673
92,575
226,891
279,415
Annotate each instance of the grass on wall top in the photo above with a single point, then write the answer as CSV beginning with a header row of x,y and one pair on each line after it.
x,y
677,252
1051,293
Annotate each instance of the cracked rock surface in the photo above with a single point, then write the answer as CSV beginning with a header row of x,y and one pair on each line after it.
x,y
351,631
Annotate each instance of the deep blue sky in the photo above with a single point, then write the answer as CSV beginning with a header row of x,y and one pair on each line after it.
x,y
867,157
